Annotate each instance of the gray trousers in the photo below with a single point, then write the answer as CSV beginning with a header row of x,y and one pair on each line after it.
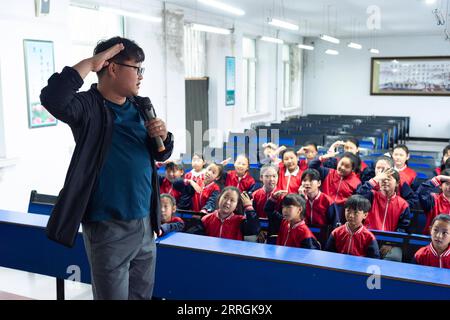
x,y
122,257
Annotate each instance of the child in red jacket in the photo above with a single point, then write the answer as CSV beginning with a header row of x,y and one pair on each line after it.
x,y
228,221
269,178
437,253
290,223
289,174
169,222
401,155
353,238
240,177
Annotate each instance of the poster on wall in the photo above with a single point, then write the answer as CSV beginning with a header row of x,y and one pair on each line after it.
x,y
230,81
426,76
39,66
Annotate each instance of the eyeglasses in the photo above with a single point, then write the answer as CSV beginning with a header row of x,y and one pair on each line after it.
x,y
140,70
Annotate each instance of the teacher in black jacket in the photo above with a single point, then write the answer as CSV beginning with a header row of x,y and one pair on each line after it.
x,y
111,186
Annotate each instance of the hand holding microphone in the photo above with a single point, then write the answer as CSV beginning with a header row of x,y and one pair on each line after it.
x,y
156,128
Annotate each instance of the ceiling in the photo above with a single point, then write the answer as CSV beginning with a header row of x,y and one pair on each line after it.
x,y
343,18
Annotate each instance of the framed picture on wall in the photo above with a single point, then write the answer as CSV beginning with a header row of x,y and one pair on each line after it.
x,y
419,76
39,66
230,81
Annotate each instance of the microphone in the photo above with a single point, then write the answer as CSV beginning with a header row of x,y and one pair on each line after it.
x,y
148,112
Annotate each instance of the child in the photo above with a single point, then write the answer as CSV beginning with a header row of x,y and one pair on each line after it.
x,y
271,152
350,145
353,238
320,209
197,174
433,203
341,183
289,176
437,253
309,150
444,161
400,154
173,171
290,224
240,177
227,221
269,178
169,222
206,199
384,163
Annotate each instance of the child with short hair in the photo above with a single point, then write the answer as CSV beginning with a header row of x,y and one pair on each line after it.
x,y
269,178
400,155
341,183
240,177
173,172
320,209
233,219
309,151
290,224
353,238
434,203
445,164
437,253
289,174
169,222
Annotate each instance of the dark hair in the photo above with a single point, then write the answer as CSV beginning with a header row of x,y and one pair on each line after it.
x,y
174,166
446,165
239,207
358,203
355,160
170,197
296,200
267,167
221,177
131,50
310,143
446,150
396,176
353,140
198,155
311,174
401,146
387,159
286,151
440,217
446,172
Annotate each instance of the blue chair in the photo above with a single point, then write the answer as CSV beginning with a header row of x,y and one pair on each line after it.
x,y
41,203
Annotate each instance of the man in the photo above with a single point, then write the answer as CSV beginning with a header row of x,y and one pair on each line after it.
x,y
111,184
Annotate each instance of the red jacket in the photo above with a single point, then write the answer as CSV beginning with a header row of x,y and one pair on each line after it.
x,y
361,243
260,197
290,183
199,179
338,188
207,198
243,184
432,203
407,175
232,226
294,236
320,211
386,214
427,256
166,187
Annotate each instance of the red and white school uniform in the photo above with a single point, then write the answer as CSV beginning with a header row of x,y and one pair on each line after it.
x,y
289,181
243,184
428,256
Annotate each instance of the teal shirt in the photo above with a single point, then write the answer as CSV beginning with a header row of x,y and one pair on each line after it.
x,y
124,186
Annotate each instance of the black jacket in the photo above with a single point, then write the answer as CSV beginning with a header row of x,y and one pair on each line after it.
x,y
92,126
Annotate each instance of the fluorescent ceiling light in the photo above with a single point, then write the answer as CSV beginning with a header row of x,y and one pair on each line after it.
x,y
205,28
329,38
332,52
223,6
130,14
354,45
282,24
306,47
373,50
274,40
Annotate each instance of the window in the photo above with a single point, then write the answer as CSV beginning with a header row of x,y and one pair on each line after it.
x,y
249,74
87,27
194,53
286,76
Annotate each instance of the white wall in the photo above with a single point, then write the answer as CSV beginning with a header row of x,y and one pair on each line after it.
x,y
341,84
43,154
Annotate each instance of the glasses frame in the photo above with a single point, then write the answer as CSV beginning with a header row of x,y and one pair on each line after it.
x,y
140,70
